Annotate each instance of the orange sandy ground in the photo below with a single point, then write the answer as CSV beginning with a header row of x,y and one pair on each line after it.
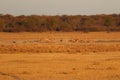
x,y
51,42
60,66
60,56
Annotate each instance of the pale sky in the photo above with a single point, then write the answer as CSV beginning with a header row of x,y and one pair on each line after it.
x,y
59,7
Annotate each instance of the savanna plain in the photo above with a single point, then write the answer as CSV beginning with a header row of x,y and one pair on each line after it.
x,y
60,56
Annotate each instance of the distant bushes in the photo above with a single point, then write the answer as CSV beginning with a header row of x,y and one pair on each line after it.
x,y
34,23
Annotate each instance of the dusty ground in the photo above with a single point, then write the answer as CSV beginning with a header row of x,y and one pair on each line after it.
x,y
59,42
60,56
60,66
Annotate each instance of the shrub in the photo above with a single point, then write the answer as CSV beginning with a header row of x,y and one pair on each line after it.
x,y
34,23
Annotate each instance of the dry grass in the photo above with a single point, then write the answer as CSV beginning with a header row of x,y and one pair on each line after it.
x,y
59,42
60,66
63,56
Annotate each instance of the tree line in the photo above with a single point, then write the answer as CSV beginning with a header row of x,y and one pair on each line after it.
x,y
35,23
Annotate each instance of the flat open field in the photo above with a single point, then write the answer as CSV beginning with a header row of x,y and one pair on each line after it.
x,y
60,66
60,56
52,42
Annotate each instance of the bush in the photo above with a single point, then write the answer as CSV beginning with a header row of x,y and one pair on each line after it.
x,y
34,23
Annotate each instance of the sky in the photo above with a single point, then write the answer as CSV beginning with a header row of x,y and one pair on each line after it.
x,y
59,7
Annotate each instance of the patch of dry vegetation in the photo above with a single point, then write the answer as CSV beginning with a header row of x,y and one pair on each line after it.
x,y
53,42
63,56
55,48
103,66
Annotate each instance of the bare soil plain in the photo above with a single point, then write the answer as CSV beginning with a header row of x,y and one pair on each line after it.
x,y
60,56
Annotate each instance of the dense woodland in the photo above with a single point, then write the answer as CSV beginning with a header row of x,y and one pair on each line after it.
x,y
35,23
